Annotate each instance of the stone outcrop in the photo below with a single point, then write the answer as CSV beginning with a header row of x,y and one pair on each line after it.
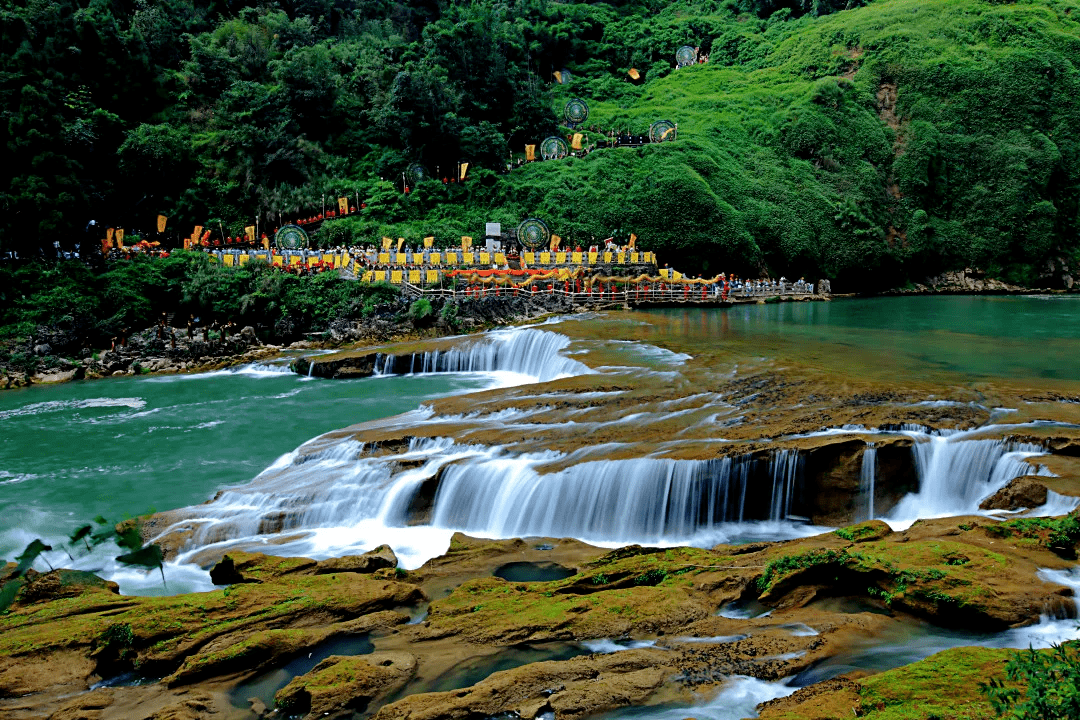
x,y
1022,492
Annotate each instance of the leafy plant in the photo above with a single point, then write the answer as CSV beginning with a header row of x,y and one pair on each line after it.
x,y
1043,685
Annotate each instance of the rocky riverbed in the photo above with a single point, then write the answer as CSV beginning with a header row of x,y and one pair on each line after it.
x,y
643,624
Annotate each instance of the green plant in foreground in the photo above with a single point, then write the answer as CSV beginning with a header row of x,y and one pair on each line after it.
x,y
1047,685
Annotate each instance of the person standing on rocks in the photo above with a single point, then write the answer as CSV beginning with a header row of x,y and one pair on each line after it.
x,y
191,328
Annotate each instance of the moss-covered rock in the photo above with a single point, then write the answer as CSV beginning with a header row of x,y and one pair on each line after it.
x,y
338,684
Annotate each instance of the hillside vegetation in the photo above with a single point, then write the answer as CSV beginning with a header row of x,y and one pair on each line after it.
x,y
871,144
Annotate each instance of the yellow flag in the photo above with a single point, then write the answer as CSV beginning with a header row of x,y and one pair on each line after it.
x,y
400,242
633,240
558,76
464,169
109,235
575,143
466,243
632,72
119,237
555,240
530,153
386,242
249,233
343,206
429,241
196,233
161,220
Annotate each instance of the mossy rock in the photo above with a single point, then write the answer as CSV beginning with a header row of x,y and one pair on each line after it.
x,y
342,683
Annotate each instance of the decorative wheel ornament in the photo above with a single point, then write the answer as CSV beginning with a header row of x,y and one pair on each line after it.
x,y
576,111
291,237
417,174
662,131
685,55
533,233
554,148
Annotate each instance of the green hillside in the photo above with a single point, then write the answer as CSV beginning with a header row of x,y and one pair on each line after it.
x,y
872,144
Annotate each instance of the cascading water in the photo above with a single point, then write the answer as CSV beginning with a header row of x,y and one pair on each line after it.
x,y
526,351
867,472
957,471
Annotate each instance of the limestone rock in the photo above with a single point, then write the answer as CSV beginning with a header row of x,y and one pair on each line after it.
x,y
381,557
338,684
1021,492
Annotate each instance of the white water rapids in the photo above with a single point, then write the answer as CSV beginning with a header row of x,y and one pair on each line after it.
x,y
330,497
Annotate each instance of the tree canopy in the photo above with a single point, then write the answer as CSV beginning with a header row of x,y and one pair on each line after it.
x,y
891,139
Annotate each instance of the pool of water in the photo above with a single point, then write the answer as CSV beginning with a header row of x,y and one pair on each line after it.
x,y
522,572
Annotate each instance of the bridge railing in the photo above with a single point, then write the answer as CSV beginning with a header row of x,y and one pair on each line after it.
x,y
625,295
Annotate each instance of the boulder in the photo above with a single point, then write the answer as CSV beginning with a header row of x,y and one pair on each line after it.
x,y
381,557
247,335
339,684
1021,492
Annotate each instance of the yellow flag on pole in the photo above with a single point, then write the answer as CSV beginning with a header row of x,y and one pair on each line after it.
x,y
555,240
161,220
530,153
343,206
386,243
400,242
632,72
120,237
633,240
464,169
249,233
466,243
575,143
109,235
429,241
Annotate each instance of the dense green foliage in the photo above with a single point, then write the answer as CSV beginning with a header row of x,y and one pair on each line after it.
x,y
896,138
1049,685
96,304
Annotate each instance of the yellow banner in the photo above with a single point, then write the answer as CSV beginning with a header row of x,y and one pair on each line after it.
x,y
400,242
555,240
633,72
429,241
558,76
633,240
466,242
343,206
120,237
575,142
249,233
464,169
386,242
161,220
530,153
109,235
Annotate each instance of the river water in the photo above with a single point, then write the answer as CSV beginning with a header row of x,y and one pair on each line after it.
x,y
123,447
600,427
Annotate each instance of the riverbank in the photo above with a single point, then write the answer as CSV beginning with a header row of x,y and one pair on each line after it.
x,y
526,626
49,357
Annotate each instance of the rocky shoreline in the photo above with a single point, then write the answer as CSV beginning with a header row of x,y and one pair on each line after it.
x,y
59,357
72,647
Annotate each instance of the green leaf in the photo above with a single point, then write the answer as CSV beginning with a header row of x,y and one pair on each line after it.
x,y
29,555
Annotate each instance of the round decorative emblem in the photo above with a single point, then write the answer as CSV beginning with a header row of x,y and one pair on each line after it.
x,y
685,55
291,237
554,148
662,131
576,111
533,233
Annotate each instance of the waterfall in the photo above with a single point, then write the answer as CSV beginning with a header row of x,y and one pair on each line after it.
x,y
490,492
785,467
310,368
956,473
866,480
635,500
526,351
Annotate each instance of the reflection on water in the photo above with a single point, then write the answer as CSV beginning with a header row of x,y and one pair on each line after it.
x,y
265,685
909,337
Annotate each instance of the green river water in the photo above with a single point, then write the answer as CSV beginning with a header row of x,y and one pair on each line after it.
x,y
121,447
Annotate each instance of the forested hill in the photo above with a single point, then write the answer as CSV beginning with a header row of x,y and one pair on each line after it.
x,y
869,144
